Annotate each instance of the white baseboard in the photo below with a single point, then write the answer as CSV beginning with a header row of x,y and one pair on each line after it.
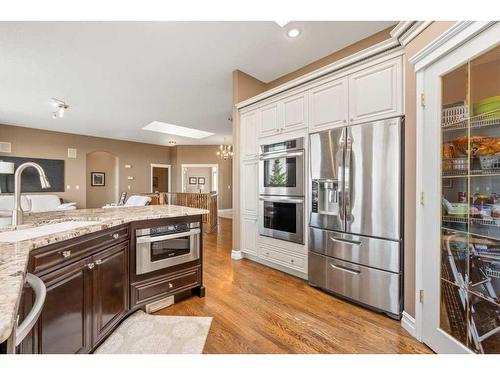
x,y
408,323
227,213
236,255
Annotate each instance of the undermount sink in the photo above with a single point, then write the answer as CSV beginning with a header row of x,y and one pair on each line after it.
x,y
42,230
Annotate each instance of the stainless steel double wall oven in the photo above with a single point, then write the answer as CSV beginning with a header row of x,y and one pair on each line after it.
x,y
281,188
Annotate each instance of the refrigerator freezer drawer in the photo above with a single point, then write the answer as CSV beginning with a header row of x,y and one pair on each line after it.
x,y
371,252
317,270
379,289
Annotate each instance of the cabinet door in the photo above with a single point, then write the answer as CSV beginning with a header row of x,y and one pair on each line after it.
x,y
269,119
65,325
328,105
294,112
249,124
376,92
110,285
249,235
249,192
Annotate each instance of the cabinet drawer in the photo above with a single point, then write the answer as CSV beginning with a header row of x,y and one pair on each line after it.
x,y
380,289
283,258
64,252
151,290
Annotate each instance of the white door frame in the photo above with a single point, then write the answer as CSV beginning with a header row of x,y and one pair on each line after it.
x,y
216,166
169,172
444,56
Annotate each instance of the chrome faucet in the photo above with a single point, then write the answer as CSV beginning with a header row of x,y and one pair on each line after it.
x,y
17,213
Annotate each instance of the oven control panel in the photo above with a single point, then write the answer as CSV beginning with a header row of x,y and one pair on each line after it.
x,y
167,229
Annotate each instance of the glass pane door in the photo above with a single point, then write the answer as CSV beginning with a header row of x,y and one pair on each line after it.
x,y
470,185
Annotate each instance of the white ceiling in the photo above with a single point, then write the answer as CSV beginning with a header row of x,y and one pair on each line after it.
x,y
120,76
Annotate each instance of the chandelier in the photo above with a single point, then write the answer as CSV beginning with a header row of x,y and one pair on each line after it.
x,y
225,152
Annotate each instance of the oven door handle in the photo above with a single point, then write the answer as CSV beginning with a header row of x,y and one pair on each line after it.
x,y
278,155
150,239
283,200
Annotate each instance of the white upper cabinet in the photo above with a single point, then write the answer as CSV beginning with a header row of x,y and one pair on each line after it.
x,y
294,112
249,126
376,92
270,119
328,105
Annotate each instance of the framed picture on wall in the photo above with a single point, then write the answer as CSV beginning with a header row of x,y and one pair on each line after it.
x,y
97,179
201,180
192,180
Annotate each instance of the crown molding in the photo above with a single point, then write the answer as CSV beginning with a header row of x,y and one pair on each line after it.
x,y
413,31
456,35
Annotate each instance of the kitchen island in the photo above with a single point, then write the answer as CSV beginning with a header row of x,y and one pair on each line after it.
x,y
107,231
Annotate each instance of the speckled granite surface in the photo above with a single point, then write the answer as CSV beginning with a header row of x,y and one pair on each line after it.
x,y
14,255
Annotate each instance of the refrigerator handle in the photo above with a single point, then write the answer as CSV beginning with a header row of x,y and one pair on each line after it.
x,y
347,178
340,173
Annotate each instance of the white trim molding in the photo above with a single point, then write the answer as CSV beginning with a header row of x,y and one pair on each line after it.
x,y
236,255
412,32
452,38
408,323
169,173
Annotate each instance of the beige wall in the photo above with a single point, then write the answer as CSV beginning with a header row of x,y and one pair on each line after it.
x,y
107,163
199,172
204,154
28,142
340,54
430,33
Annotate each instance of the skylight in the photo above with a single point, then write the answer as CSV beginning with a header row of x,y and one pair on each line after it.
x,y
162,127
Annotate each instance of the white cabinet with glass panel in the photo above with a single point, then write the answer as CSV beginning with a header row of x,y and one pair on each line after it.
x,y
458,238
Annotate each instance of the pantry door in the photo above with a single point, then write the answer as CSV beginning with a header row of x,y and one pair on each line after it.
x,y
458,216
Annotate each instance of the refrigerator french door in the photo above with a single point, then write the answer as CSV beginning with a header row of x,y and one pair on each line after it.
x,y
355,220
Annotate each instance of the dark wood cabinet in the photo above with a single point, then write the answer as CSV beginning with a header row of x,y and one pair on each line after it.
x,y
110,289
92,285
64,325
85,299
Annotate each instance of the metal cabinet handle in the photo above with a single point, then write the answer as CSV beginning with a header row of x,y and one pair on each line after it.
x,y
291,260
170,285
348,270
98,261
40,293
90,266
348,242
115,235
66,253
345,121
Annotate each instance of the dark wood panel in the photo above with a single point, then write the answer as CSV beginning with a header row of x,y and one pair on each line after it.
x,y
148,291
64,324
47,259
110,289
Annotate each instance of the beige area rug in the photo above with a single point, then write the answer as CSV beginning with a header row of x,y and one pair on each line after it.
x,y
142,333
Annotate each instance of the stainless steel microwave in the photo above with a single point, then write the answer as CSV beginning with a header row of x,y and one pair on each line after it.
x,y
163,247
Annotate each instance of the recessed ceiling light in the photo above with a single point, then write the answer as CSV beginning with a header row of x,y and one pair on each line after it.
x,y
163,127
293,32
282,23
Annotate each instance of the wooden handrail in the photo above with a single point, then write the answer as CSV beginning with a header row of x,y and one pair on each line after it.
x,y
207,201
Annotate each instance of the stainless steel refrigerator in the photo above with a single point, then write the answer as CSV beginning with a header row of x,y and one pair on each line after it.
x,y
355,234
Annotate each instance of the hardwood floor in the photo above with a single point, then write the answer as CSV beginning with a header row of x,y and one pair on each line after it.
x,y
260,310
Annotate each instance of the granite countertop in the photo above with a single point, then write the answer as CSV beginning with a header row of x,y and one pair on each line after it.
x,y
14,255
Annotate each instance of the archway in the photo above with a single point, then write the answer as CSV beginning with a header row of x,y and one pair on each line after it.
x,y
102,178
